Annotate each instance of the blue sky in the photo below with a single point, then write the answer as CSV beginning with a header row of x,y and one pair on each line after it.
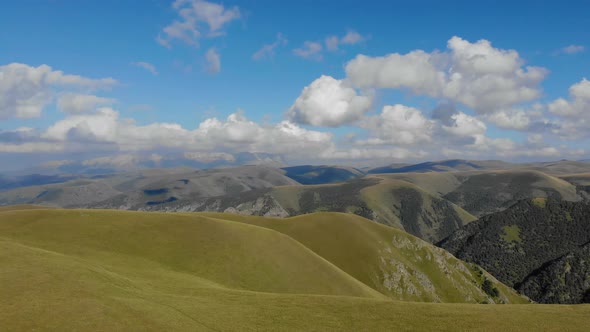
x,y
164,75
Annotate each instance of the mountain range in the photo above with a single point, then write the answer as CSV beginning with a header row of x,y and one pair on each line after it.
x,y
430,204
341,240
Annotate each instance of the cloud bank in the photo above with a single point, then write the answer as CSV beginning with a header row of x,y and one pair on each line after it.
x,y
488,105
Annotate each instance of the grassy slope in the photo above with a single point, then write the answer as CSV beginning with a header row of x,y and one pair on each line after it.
x,y
106,270
374,253
439,183
231,254
444,183
50,291
22,207
489,192
383,199
434,218
288,196
559,167
578,178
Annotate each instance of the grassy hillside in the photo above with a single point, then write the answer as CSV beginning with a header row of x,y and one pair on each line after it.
x,y
582,183
389,260
229,254
429,205
111,270
484,192
22,207
391,202
537,246
440,183
419,212
559,167
582,179
489,192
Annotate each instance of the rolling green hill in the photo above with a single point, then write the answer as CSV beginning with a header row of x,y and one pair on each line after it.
x,y
390,202
491,192
23,207
482,193
582,183
112,270
236,255
389,260
430,205
282,256
417,211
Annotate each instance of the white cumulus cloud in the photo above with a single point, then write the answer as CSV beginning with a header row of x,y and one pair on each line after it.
x,y
329,102
105,130
510,119
197,18
81,103
577,105
474,74
25,90
466,125
98,127
398,124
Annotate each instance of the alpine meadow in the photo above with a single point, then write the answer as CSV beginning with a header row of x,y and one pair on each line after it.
x,y
259,165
